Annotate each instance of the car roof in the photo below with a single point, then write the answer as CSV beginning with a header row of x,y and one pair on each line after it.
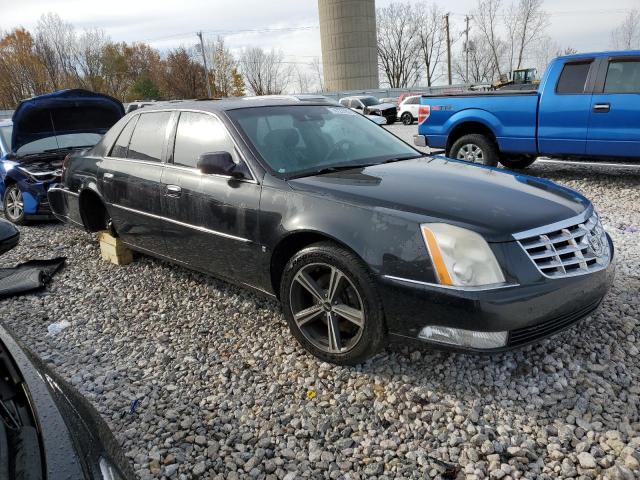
x,y
209,105
612,53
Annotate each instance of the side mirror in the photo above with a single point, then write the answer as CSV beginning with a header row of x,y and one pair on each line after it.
x,y
219,163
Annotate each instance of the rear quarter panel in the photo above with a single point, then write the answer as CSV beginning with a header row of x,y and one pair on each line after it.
x,y
511,118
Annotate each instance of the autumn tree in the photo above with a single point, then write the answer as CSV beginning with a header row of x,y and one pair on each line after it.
x,y
183,76
22,75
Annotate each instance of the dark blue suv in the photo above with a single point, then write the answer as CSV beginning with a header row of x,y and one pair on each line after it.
x,y
34,143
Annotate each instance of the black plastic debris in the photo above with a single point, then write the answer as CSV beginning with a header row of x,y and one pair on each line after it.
x,y
28,276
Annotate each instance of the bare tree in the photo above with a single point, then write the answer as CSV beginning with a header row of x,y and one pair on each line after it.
x,y
627,35
525,22
55,46
486,20
398,44
482,69
222,64
316,67
88,52
431,39
303,79
265,72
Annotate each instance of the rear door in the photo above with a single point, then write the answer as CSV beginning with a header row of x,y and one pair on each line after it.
x,y
213,219
614,126
564,108
131,176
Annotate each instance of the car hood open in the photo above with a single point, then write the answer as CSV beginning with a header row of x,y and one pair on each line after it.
x,y
63,112
492,202
382,106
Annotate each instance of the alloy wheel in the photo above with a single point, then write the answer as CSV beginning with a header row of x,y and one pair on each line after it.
x,y
14,204
471,153
327,307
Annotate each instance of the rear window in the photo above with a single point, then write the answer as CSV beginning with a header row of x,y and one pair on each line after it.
x,y
623,77
573,77
122,144
148,137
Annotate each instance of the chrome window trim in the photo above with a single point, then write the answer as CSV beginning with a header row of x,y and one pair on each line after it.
x,y
253,178
60,189
479,288
197,171
555,226
182,224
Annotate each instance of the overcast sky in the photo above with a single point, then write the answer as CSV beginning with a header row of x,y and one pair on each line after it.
x,y
582,24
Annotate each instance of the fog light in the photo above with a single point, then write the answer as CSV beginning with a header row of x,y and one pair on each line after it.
x,y
464,338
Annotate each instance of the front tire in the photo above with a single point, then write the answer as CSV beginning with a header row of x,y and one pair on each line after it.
x,y
516,162
407,118
13,203
331,304
475,148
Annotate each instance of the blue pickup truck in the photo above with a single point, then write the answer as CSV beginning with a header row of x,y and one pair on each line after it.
x,y
587,105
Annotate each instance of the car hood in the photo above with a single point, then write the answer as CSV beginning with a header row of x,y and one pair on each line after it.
x,y
382,106
492,202
63,112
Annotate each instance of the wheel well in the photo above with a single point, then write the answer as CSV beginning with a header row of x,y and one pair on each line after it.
x,y
93,212
288,247
466,129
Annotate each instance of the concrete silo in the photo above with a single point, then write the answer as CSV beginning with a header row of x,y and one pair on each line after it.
x,y
348,38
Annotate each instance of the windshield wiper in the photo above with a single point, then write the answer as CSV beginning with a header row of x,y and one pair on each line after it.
x,y
61,149
334,168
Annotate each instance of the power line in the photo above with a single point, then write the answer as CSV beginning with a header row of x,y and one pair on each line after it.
x,y
235,32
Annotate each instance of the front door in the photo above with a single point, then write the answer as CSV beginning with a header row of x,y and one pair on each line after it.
x,y
614,126
563,116
131,181
212,219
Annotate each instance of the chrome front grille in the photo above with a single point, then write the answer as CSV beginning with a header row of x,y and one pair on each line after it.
x,y
574,247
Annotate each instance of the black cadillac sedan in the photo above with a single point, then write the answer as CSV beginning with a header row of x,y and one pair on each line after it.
x,y
361,237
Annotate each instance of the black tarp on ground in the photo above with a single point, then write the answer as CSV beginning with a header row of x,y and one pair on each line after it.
x,y
28,276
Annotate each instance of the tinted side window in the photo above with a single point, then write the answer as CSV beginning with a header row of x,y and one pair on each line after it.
x,y
198,133
344,102
122,143
413,101
623,77
148,136
573,78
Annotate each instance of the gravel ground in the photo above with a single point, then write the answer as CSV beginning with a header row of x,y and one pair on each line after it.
x,y
224,392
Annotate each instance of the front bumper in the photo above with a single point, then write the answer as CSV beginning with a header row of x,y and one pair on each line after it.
x,y
527,312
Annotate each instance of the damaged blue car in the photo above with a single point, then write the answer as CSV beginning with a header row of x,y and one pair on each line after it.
x,y
35,142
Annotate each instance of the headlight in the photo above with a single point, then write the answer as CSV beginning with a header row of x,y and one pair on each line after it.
x,y
460,257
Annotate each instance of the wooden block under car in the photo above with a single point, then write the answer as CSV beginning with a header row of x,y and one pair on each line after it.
x,y
113,250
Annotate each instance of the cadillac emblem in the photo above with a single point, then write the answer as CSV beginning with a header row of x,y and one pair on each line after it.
x,y
594,238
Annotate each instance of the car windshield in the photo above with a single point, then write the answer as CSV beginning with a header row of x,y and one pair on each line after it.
x,y
306,139
70,140
369,101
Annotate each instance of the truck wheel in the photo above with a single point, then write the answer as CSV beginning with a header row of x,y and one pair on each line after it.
x,y
407,118
475,148
517,162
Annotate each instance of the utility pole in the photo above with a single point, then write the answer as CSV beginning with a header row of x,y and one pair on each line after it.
x,y
446,26
466,48
206,70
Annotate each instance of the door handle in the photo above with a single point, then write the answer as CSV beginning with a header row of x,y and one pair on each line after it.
x,y
174,190
107,175
601,107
